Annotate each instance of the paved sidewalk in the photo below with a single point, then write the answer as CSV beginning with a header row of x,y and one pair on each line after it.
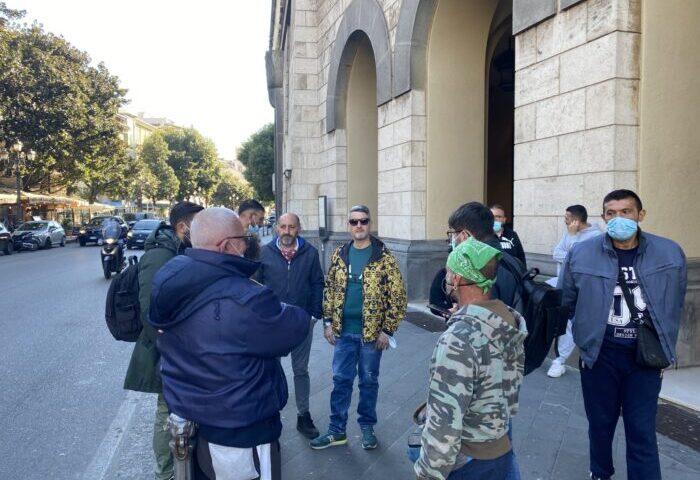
x,y
550,430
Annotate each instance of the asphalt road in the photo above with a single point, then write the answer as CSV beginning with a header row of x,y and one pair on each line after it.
x,y
61,372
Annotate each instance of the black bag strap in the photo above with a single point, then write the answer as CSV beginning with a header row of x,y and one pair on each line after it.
x,y
629,299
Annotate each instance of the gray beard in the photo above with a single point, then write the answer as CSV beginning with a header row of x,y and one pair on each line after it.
x,y
287,240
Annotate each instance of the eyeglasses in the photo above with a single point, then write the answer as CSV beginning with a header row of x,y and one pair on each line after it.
x,y
361,221
453,232
454,287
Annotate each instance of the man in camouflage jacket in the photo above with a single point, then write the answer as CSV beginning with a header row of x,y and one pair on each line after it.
x,y
476,371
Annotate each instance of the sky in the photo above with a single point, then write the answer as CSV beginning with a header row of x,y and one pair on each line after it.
x,y
200,64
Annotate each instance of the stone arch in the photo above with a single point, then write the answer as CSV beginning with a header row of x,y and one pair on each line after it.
x,y
364,16
411,44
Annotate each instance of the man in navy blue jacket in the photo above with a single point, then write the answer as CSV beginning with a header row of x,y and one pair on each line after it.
x,y
221,336
597,277
291,268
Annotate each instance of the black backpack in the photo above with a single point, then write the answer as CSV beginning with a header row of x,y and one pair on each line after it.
x,y
541,306
122,309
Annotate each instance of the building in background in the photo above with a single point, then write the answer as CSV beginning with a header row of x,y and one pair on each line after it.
x,y
414,107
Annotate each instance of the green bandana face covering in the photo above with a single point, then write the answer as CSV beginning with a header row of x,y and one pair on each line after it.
x,y
467,260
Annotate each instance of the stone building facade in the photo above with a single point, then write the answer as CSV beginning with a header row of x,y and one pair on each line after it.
x,y
414,107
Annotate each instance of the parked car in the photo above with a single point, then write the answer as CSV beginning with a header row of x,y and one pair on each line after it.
x,y
6,244
138,234
38,234
271,220
91,232
132,218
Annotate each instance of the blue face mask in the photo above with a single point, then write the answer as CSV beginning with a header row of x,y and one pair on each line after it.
x,y
453,242
622,229
497,226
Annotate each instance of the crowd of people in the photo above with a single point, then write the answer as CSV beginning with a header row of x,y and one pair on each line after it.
x,y
219,312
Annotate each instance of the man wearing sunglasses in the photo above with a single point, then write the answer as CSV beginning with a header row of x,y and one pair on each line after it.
x,y
364,301
221,338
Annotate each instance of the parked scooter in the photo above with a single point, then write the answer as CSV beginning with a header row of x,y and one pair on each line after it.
x,y
112,252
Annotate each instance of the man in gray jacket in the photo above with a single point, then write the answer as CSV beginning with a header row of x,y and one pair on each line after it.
x,y
596,277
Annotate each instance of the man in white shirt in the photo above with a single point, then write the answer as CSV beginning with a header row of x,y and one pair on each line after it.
x,y
577,230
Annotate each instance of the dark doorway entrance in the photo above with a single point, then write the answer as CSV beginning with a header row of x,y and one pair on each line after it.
x,y
501,103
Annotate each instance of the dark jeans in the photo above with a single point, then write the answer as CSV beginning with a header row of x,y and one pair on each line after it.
x,y
617,384
352,358
496,469
483,468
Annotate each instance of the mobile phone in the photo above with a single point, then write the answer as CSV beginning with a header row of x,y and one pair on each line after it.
x,y
442,310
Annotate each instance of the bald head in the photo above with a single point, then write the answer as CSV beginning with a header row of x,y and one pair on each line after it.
x,y
289,217
212,225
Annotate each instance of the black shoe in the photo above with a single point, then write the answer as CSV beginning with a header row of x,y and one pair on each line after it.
x,y
595,477
306,426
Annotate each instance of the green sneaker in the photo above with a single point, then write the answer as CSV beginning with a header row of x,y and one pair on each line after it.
x,y
369,439
328,440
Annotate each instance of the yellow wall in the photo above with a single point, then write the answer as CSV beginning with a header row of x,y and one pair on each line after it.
x,y
669,173
455,107
361,110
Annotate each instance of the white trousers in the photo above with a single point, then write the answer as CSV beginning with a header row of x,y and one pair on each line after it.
x,y
232,463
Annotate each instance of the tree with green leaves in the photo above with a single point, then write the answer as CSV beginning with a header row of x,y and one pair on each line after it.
x,y
8,14
231,191
258,155
59,105
194,160
160,181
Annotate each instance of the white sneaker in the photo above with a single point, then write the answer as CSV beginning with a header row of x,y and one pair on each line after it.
x,y
557,369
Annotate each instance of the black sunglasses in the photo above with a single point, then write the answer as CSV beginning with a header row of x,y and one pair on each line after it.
x,y
361,221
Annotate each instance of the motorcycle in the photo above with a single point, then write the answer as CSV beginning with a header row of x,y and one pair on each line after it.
x,y
112,251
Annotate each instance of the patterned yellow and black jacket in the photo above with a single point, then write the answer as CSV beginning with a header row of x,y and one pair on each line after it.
x,y
383,292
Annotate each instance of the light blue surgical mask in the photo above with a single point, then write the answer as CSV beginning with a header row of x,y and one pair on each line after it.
x,y
621,229
497,226
453,242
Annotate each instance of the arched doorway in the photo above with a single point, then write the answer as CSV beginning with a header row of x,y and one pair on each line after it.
x,y
465,115
361,127
500,108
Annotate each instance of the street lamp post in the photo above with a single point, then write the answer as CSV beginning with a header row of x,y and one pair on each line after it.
x,y
17,150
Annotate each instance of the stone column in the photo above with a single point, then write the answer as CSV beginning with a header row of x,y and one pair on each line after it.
x,y
576,115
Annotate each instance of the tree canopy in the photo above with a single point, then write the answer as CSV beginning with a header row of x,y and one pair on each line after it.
x,y
231,191
191,157
258,155
59,105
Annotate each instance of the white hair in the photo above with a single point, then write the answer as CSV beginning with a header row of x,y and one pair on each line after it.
x,y
212,225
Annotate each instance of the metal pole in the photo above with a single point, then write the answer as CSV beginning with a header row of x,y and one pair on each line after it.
x,y
19,215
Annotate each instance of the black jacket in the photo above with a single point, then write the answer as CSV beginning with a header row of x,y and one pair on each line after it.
x,y
510,243
299,282
506,288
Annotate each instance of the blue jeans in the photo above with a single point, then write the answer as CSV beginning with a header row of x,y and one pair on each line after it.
x,y
352,358
496,469
616,384
513,469
482,469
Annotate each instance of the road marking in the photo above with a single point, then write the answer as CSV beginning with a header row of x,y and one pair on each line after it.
x,y
110,444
